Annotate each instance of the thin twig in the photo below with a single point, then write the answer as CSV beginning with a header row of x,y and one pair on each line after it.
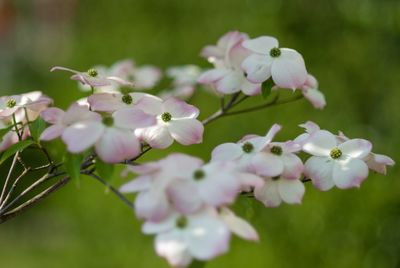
x,y
8,177
13,187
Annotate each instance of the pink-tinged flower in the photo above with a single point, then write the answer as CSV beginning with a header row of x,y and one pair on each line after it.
x,y
181,238
278,189
176,120
146,77
278,159
312,94
184,79
245,150
113,136
334,163
285,66
227,56
310,128
237,225
152,203
93,78
110,102
11,138
214,184
33,102
375,162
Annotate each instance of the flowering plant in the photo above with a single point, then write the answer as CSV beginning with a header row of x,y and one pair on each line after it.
x,y
183,200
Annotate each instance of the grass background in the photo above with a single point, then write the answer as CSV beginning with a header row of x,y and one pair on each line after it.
x,y
352,47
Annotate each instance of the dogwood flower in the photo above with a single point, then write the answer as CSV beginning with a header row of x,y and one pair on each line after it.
x,y
237,225
33,102
227,56
93,78
146,77
245,150
334,163
176,120
312,94
285,66
182,238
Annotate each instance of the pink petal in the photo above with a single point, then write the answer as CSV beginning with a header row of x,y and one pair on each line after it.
x,y
132,118
212,76
291,191
316,97
268,194
184,195
52,115
52,132
117,145
356,148
186,131
293,166
152,205
139,184
250,89
238,226
319,170
262,44
230,83
378,162
257,67
106,102
350,172
267,164
81,136
173,247
180,109
150,104
289,70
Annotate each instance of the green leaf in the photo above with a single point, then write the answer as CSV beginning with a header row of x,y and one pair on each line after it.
x,y
36,128
20,146
266,88
4,131
72,164
197,264
104,170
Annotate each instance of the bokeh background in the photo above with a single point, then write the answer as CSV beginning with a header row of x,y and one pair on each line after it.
x,y
352,47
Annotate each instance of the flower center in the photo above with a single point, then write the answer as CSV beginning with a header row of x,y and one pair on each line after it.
x,y
108,121
181,222
275,52
277,150
247,147
92,72
11,103
336,153
275,178
198,175
166,117
127,99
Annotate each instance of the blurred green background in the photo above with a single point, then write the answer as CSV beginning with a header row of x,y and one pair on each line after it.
x,y
352,47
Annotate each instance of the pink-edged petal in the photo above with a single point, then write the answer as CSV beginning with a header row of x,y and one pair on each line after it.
x,y
268,194
226,151
320,143
260,143
184,196
356,148
230,83
311,82
207,237
267,164
250,89
212,51
173,247
257,68
139,184
310,127
179,108
186,131
106,102
315,97
291,191
77,113
219,189
169,223
52,115
378,162
52,132
133,118
293,166
117,145
211,76
238,226
290,147
350,172
157,136
249,181
152,205
289,70
149,104
262,44
319,170
81,136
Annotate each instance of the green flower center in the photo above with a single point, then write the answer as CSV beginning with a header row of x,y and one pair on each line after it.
x,y
181,222
108,121
336,153
277,150
166,117
275,52
247,147
11,103
199,175
92,72
127,99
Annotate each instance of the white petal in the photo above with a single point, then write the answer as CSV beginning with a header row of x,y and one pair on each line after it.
x,y
291,191
378,162
184,195
316,97
356,148
186,131
140,183
320,170
52,132
268,194
152,205
180,109
257,68
293,166
230,83
267,164
238,226
157,136
226,151
320,143
152,227
250,89
262,44
350,172
174,248
132,118
82,136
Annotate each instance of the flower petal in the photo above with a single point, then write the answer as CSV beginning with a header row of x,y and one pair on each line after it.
x,y
226,151
257,68
266,164
174,248
212,76
293,166
268,194
152,205
316,97
180,109
132,118
81,136
350,172
291,191
186,131
378,162
106,102
52,132
356,148
319,170
262,44
238,226
320,143
184,195
52,115
156,136
139,184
